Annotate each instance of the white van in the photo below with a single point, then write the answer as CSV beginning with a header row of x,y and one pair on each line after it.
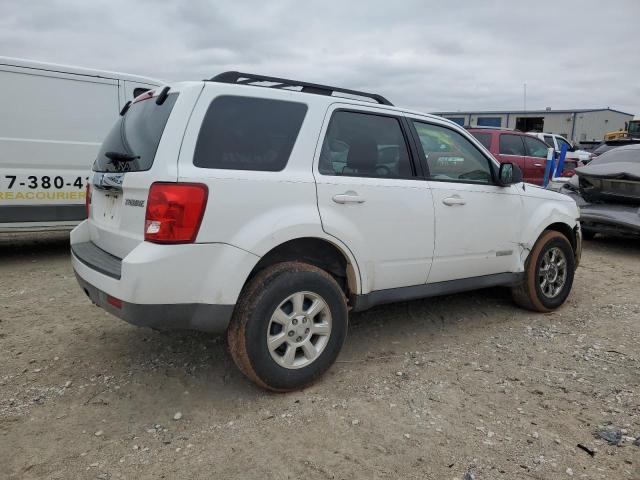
x,y
52,122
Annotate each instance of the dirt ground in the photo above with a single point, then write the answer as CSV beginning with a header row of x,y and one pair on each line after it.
x,y
463,386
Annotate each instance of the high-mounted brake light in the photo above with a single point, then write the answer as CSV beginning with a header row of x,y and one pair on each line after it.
x,y
87,199
174,212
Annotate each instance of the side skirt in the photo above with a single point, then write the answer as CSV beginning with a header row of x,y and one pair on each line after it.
x,y
379,297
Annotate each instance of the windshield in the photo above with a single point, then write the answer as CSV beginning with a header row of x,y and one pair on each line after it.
x,y
132,142
634,128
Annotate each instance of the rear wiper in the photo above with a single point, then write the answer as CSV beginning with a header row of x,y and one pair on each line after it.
x,y
121,157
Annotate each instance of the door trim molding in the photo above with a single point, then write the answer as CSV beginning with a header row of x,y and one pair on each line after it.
x,y
379,297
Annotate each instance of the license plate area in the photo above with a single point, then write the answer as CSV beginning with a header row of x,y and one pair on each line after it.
x,y
108,207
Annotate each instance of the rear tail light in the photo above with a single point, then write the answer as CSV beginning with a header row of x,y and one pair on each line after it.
x,y
174,212
87,199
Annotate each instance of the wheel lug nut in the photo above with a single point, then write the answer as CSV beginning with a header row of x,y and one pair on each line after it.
x,y
306,330
298,339
291,333
304,320
295,321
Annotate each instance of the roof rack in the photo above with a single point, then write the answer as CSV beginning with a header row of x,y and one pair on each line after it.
x,y
306,87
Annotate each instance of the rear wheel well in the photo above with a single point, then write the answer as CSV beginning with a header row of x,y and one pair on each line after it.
x,y
314,251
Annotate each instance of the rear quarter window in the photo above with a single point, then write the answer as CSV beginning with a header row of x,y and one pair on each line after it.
x,y
246,133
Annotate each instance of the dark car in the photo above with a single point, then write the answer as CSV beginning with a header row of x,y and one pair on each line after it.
x,y
526,151
608,193
611,144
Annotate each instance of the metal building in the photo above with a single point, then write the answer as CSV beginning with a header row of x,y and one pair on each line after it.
x,y
584,125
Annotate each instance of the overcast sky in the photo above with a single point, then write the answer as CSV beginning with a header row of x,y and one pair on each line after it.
x,y
427,55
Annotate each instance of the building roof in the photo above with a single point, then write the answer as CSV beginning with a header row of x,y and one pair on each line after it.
x,y
509,112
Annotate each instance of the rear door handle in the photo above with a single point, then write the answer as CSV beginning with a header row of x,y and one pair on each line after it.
x,y
348,197
453,201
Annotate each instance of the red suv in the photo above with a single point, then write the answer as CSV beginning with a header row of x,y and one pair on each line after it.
x,y
526,151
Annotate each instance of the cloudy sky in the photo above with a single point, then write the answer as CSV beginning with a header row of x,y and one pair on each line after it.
x,y
427,55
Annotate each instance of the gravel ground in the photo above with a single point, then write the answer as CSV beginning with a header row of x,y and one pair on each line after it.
x,y
463,386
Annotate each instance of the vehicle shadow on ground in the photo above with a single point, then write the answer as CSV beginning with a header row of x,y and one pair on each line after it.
x,y
201,364
37,245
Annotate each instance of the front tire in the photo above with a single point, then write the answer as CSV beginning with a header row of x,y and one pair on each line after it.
x,y
289,326
549,272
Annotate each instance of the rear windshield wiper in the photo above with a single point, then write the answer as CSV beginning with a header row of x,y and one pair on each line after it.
x,y
121,157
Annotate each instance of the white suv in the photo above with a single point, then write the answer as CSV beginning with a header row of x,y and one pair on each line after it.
x,y
270,213
558,141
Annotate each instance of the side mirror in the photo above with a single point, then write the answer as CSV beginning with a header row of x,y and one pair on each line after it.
x,y
509,174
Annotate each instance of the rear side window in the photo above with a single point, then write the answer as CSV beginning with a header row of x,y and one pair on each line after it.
x,y
132,143
483,138
511,144
245,133
549,141
365,145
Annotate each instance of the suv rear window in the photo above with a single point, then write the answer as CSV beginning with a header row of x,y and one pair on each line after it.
x,y
246,133
136,134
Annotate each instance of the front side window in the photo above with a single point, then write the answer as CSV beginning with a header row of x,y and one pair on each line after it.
x,y
511,145
535,147
365,145
246,133
451,157
561,142
548,139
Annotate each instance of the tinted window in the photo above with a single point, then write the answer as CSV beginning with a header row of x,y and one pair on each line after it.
x,y
244,133
511,144
451,157
365,145
483,138
549,141
535,147
135,135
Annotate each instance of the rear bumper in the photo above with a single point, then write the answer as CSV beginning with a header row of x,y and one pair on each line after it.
x,y
192,286
178,316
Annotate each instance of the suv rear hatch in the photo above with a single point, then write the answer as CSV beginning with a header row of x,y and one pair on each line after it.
x,y
128,162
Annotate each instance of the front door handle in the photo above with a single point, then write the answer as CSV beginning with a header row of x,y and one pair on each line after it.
x,y
537,164
453,201
348,197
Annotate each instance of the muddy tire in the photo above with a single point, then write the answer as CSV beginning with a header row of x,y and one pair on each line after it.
x,y
288,327
549,272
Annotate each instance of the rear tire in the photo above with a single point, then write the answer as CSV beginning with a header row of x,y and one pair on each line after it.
x,y
288,327
549,272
